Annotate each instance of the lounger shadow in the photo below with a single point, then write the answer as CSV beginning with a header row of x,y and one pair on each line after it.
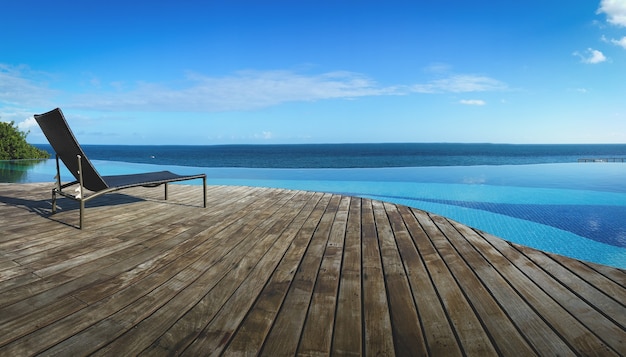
x,y
62,140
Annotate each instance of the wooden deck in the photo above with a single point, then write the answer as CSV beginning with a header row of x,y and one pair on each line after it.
x,y
281,272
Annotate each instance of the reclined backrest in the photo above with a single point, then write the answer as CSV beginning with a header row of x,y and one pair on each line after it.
x,y
64,143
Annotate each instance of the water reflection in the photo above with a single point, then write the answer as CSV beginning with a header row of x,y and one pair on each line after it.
x,y
18,171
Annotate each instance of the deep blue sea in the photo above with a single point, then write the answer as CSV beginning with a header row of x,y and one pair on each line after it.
x,y
349,155
536,195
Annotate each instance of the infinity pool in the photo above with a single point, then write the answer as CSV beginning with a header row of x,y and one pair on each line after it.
x,y
577,210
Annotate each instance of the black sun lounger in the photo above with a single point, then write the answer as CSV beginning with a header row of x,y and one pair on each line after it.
x,y
54,126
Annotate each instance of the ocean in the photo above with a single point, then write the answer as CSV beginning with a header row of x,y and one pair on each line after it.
x,y
349,155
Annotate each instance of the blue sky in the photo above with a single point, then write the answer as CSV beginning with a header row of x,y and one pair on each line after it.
x,y
255,72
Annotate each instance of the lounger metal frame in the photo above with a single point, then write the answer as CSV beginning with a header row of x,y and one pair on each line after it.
x,y
62,131
80,197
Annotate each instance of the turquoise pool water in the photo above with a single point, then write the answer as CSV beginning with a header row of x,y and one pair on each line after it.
x,y
577,209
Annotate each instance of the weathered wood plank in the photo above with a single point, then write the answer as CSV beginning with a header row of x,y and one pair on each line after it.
x,y
141,235
407,332
197,315
216,335
477,283
531,324
580,287
607,324
158,324
255,327
577,336
438,332
610,281
348,331
69,288
19,327
317,334
376,316
473,338
284,336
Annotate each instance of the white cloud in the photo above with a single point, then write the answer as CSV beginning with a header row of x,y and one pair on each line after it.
x,y
615,11
478,102
460,84
22,117
591,56
621,42
27,124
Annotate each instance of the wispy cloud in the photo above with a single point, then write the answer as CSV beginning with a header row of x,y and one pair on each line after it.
x,y
477,102
265,135
20,86
240,91
245,90
615,11
460,84
20,90
590,56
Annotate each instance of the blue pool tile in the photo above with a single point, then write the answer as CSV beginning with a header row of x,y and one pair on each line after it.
x,y
605,224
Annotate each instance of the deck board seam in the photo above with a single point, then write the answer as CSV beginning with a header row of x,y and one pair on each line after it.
x,y
293,232
580,296
276,265
207,324
428,270
552,324
259,296
538,313
463,290
411,241
392,209
490,290
191,340
200,274
587,281
339,280
315,214
332,209
485,286
148,292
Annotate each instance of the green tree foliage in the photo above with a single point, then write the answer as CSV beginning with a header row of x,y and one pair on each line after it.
x,y
13,144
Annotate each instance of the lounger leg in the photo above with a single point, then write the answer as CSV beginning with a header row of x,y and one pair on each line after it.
x,y
54,201
58,184
204,192
82,210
